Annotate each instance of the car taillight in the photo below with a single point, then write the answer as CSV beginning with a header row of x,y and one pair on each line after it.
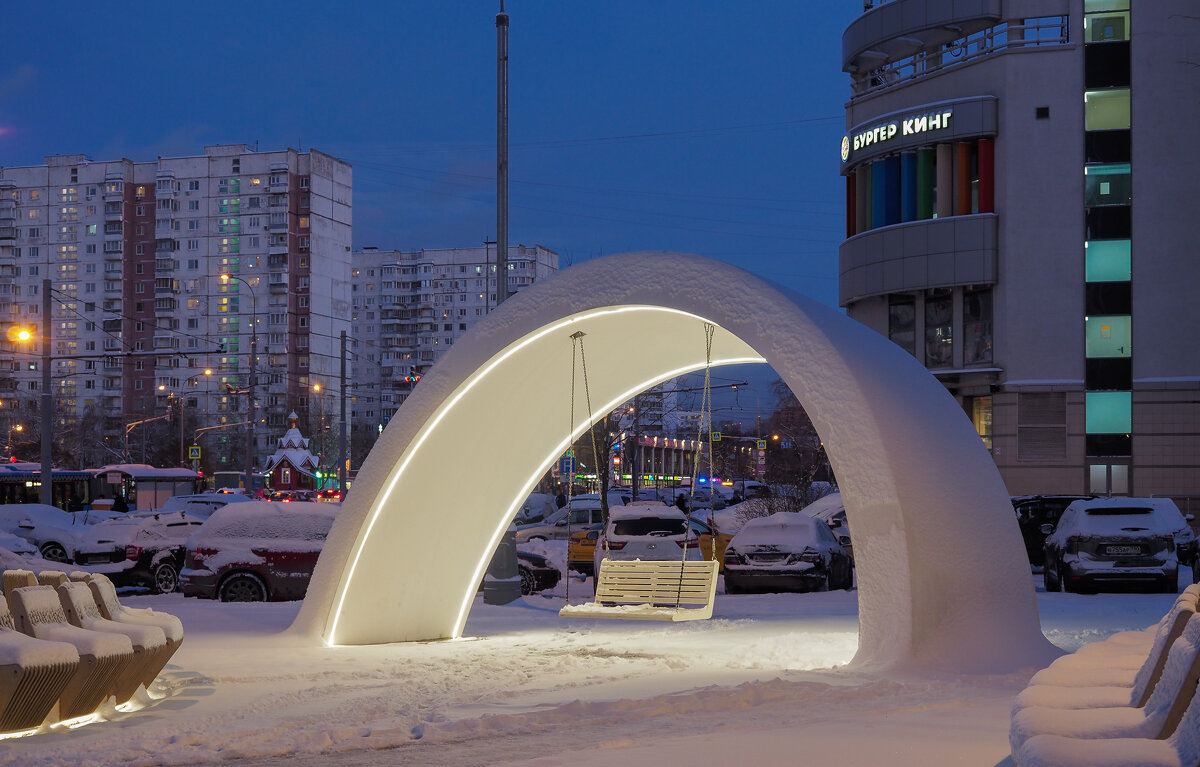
x,y
732,557
1072,546
691,543
133,552
199,555
615,545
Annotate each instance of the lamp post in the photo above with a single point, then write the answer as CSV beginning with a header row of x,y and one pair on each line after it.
x,y
320,430
17,428
182,447
250,417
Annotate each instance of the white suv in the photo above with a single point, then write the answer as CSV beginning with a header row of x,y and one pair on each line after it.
x,y
647,530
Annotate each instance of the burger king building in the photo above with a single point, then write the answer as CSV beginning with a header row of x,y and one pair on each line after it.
x,y
1021,199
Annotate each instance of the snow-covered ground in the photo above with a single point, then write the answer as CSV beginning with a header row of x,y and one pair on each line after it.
x,y
757,682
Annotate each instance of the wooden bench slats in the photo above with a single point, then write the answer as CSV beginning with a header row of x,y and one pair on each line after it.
x,y
651,590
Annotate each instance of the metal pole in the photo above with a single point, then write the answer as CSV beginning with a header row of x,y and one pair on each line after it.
x,y
182,447
343,447
47,490
501,155
250,414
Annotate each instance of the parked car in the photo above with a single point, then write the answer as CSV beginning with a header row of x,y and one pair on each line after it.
x,y
786,551
1034,512
581,549
1113,541
53,531
18,545
256,551
201,505
536,572
577,514
830,510
140,548
646,530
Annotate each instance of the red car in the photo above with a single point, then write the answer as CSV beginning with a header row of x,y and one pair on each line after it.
x,y
256,551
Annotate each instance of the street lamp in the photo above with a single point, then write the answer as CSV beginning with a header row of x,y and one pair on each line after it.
x,y
321,430
17,428
182,447
250,418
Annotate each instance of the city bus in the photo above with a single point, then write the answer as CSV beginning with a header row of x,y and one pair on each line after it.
x,y
21,482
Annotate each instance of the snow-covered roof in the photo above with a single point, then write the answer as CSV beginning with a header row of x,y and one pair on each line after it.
x,y
293,449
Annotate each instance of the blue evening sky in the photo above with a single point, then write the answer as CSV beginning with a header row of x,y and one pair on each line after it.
x,y
691,125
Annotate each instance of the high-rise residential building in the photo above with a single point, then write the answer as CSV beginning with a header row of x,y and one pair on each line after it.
x,y
165,276
411,306
1019,179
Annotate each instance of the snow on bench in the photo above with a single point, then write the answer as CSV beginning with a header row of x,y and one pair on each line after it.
x,y
33,675
1165,730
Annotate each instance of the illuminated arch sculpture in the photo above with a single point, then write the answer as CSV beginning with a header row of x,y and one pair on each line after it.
x,y
942,575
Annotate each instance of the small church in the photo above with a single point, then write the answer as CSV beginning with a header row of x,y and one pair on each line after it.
x,y
293,467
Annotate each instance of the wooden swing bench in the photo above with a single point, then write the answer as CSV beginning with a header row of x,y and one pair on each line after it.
x,y
662,590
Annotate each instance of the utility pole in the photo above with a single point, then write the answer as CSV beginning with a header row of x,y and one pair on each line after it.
x,y
501,155
47,473
343,448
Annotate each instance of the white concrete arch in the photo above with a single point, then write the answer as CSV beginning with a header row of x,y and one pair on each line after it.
x,y
943,579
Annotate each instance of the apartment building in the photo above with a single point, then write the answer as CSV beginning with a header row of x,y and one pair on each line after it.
x,y
411,306
201,281
1019,177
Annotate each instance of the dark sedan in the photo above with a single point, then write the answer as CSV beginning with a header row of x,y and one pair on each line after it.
x,y
537,574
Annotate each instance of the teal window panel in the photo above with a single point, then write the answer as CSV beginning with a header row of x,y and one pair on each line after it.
x,y
1109,412
1107,261
1108,336
1107,185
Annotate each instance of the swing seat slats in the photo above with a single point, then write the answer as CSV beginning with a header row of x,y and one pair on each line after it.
x,y
651,590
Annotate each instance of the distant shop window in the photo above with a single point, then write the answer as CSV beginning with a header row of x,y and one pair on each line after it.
x,y
902,322
979,410
1106,109
977,326
1107,261
939,329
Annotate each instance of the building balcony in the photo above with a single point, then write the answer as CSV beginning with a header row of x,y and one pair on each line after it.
x,y
8,233
277,249
919,255
900,28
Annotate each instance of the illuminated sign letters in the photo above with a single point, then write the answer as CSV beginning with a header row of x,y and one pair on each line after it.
x,y
908,126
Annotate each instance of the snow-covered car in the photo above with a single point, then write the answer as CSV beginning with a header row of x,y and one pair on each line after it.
x,y
832,511
53,531
17,545
646,530
1113,541
140,548
257,551
201,505
1035,511
537,574
577,515
786,551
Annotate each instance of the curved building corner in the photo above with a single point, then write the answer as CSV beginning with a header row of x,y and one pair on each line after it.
x,y
1018,176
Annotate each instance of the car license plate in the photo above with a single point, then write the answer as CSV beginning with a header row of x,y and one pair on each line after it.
x,y
1119,550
